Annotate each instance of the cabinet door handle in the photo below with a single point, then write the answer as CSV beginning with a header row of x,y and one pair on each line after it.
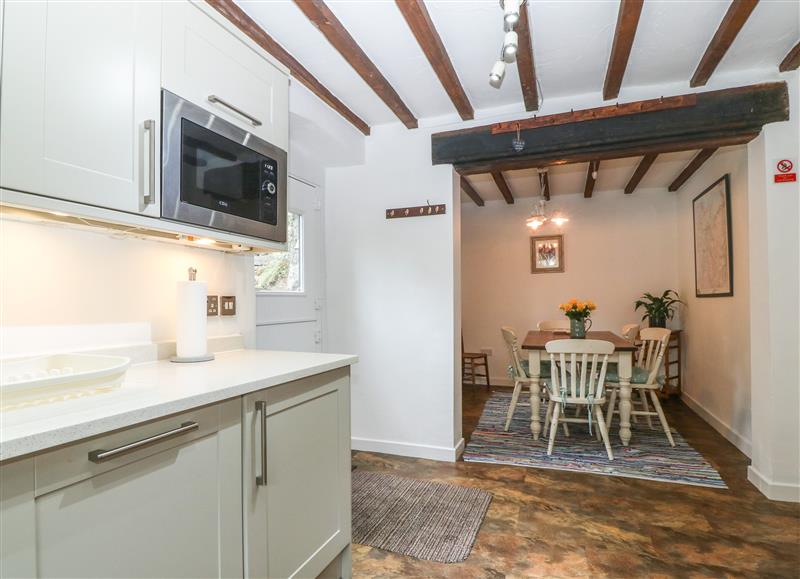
x,y
98,456
212,98
261,410
150,196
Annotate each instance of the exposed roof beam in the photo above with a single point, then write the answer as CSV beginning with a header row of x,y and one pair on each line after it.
x,y
627,22
738,13
588,188
718,118
467,188
321,16
617,153
604,112
500,181
792,60
545,185
690,169
243,22
641,169
525,61
419,21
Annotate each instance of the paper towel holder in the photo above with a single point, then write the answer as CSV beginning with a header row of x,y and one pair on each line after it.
x,y
189,359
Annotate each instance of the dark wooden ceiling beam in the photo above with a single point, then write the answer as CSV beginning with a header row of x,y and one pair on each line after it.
x,y
525,61
243,22
321,16
467,188
719,118
554,160
627,22
502,185
421,25
738,13
792,59
641,170
691,168
588,188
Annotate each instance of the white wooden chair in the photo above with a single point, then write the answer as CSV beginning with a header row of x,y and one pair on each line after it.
x,y
649,357
553,325
521,374
578,374
630,332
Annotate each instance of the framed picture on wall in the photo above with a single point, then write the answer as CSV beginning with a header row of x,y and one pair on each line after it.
x,y
713,249
547,254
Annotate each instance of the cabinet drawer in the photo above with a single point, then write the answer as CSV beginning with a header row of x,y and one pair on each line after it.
x,y
71,464
201,59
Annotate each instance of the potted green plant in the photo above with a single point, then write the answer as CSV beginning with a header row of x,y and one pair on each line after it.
x,y
659,309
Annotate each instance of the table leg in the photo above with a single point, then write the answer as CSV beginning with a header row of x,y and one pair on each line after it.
x,y
625,370
535,369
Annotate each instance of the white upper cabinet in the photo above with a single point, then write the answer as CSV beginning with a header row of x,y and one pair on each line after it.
x,y
209,66
80,116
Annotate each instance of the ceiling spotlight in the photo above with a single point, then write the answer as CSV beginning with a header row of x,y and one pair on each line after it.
x,y
498,74
510,47
510,13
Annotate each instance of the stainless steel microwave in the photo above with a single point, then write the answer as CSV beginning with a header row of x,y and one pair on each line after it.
x,y
217,175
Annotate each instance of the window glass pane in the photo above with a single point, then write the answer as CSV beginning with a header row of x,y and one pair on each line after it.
x,y
282,271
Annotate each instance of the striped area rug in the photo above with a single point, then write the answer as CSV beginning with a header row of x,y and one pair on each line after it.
x,y
422,519
649,457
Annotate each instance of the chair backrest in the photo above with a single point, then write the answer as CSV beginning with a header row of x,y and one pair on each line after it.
x,y
630,332
651,350
579,367
553,325
510,337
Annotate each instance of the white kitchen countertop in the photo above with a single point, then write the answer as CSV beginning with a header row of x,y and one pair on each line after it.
x,y
154,390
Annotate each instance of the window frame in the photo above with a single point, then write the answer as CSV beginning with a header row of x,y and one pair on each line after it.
x,y
301,263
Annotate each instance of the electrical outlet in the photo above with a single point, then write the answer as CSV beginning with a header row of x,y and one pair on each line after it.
x,y
487,351
212,306
227,305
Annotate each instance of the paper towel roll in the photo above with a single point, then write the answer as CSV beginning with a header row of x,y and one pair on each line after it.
x,y
190,331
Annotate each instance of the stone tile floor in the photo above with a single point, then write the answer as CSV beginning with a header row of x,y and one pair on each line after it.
x,y
544,523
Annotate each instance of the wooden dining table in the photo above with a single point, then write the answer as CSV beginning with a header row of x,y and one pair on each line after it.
x,y
623,355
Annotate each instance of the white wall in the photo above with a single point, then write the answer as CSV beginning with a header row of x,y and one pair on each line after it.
x,y
774,223
391,295
54,275
616,247
716,340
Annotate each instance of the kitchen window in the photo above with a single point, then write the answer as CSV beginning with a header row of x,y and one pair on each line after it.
x,y
282,271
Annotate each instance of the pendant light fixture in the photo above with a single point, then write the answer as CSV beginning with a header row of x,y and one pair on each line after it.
x,y
539,216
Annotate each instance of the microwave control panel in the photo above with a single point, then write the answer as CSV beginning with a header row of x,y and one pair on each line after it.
x,y
268,212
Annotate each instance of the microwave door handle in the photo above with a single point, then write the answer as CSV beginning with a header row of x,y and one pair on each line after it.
x,y
212,98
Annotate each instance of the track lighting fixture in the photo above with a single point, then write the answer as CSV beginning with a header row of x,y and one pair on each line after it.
x,y
510,13
498,74
510,43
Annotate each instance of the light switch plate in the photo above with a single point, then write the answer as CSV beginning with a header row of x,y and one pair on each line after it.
x,y
212,306
227,305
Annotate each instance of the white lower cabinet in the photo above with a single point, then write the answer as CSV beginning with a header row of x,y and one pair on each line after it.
x,y
170,509
187,495
296,477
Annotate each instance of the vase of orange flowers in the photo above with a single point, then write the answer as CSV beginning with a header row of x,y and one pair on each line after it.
x,y
579,314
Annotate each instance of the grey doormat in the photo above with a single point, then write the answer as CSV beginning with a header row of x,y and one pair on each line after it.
x,y
422,519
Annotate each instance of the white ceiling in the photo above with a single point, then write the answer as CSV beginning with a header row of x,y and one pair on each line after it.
x,y
571,43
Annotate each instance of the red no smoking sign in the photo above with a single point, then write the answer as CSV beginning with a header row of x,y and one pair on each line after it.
x,y
785,171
